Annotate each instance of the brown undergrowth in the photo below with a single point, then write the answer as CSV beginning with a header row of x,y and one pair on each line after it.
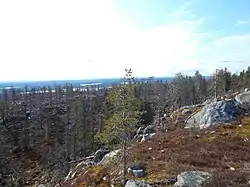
x,y
215,150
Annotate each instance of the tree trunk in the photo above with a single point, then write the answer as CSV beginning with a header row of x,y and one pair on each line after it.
x,y
124,152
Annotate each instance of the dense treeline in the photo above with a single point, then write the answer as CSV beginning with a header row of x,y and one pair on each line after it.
x,y
89,106
69,119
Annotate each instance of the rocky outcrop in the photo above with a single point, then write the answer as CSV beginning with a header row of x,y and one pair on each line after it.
x,y
99,154
136,183
243,97
146,133
191,179
217,112
41,185
75,171
137,170
108,157
149,129
146,137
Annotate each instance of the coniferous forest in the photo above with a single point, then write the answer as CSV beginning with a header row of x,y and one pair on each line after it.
x,y
46,132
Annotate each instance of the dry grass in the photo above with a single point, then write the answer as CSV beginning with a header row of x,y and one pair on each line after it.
x,y
91,176
181,150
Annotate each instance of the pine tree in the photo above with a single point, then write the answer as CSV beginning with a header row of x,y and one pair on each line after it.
x,y
125,115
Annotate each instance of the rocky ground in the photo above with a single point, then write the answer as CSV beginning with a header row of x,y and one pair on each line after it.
x,y
221,151
215,151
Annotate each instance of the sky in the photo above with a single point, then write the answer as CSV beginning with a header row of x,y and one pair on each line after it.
x,y
87,39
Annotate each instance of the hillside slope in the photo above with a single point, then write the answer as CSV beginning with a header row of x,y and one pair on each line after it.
x,y
223,151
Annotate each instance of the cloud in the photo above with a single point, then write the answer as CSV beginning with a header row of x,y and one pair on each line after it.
x,y
165,50
56,39
86,39
89,39
182,11
242,22
7,8
230,51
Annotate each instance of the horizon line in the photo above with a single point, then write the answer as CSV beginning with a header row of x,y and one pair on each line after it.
x,y
88,79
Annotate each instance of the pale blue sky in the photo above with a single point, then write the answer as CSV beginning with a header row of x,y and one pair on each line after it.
x,y
63,39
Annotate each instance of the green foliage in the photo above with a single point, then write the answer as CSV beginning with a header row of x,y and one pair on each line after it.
x,y
125,112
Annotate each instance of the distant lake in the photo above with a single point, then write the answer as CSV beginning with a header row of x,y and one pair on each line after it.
x,y
75,83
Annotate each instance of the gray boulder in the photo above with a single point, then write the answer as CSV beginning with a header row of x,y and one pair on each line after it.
x,y
146,137
191,179
146,133
149,129
136,183
108,157
139,173
99,154
137,170
41,185
243,97
217,112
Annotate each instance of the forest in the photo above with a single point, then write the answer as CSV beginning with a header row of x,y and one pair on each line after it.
x,y
42,133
